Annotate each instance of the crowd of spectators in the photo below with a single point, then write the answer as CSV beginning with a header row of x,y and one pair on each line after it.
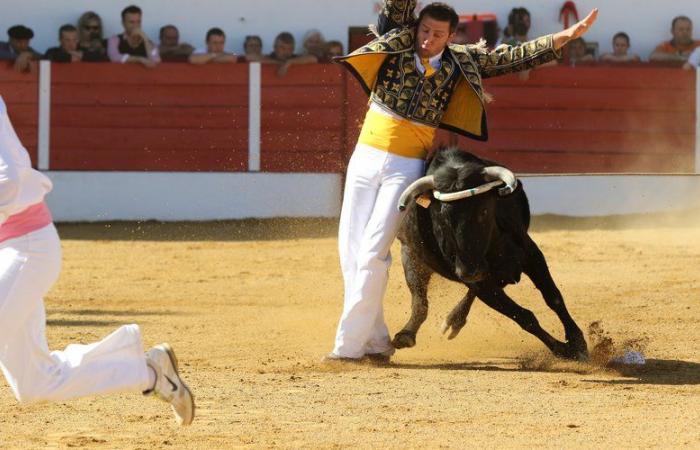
x,y
679,50
87,43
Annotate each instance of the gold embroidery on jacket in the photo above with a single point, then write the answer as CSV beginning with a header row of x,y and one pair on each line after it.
x,y
407,92
395,83
400,11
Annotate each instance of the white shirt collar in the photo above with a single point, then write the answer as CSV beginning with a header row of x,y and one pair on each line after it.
x,y
434,61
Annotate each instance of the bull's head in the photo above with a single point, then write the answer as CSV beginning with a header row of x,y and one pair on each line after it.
x,y
464,218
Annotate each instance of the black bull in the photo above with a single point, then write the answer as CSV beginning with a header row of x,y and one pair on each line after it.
x,y
481,241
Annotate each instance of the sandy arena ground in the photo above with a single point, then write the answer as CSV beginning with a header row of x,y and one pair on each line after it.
x,y
251,307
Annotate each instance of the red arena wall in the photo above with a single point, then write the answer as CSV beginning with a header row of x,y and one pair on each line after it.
x,y
178,117
21,94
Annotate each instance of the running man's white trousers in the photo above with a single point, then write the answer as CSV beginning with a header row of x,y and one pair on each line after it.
x,y
369,222
29,265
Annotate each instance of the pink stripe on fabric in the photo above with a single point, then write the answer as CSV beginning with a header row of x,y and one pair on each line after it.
x,y
31,219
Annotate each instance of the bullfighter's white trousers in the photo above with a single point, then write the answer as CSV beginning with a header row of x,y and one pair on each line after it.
x,y
369,222
29,265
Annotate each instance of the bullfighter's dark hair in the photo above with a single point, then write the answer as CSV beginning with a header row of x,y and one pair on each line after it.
x,y
442,12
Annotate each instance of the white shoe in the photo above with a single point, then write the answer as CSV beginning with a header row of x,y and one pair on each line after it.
x,y
169,386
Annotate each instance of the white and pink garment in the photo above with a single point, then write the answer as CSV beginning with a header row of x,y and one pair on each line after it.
x,y
30,261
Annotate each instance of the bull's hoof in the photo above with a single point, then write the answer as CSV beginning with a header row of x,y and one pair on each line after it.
x,y
454,323
577,349
404,339
572,352
578,352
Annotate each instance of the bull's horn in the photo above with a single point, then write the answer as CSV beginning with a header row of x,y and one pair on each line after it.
x,y
420,185
503,174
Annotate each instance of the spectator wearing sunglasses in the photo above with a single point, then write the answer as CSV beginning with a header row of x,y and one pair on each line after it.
x,y
92,43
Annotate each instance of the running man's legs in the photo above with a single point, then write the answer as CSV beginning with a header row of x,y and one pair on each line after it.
x,y
29,265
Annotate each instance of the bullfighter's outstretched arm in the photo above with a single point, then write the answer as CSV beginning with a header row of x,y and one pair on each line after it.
x,y
509,59
396,14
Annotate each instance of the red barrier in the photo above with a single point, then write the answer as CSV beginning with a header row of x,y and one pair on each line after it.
x,y
179,117
21,94
303,119
590,119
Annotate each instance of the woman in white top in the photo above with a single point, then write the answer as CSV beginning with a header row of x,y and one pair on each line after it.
x,y
30,261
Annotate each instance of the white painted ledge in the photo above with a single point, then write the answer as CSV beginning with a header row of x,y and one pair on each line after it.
x,y
175,196
604,195
101,196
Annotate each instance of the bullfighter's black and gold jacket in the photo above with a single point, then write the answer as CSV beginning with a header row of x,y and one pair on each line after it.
x,y
453,98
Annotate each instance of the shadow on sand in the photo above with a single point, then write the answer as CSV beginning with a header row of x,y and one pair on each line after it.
x,y
106,317
230,230
314,228
107,312
81,323
656,371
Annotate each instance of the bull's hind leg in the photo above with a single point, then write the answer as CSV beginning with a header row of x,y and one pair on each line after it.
x,y
417,277
458,316
536,268
497,299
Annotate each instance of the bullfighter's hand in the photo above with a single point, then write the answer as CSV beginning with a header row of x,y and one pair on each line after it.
x,y
575,31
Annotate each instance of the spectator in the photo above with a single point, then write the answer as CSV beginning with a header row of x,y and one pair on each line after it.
x,y
17,49
214,53
314,44
314,51
334,49
92,42
516,33
679,48
578,52
132,46
283,48
693,60
621,45
68,50
170,48
252,47
519,22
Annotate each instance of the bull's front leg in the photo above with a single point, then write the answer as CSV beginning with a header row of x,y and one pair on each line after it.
x,y
417,278
458,316
494,296
536,268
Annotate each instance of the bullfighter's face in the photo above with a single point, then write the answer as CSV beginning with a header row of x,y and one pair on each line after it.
x,y
432,36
